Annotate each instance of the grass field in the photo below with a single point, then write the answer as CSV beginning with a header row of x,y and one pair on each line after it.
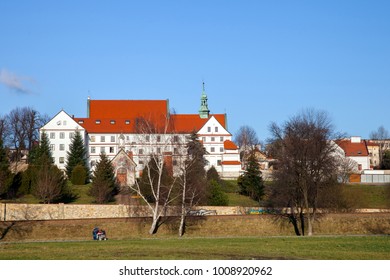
x,y
245,248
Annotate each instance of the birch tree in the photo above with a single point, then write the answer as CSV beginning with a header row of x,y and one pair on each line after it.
x,y
156,187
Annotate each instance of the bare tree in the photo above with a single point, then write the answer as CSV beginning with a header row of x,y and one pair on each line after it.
x,y
23,128
380,136
158,182
306,165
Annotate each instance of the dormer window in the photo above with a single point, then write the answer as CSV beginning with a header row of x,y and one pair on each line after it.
x,y
112,122
97,121
81,121
127,121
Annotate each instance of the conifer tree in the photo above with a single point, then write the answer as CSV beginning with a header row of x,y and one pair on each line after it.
x,y
251,182
77,155
104,187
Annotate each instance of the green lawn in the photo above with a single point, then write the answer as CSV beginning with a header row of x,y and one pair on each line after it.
x,y
314,248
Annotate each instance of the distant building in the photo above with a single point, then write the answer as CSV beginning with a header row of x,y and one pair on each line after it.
x,y
355,148
373,152
129,131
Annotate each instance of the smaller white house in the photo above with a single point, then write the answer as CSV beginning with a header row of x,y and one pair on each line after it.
x,y
60,131
356,149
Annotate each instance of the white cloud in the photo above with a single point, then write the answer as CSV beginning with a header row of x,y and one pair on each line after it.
x,y
15,82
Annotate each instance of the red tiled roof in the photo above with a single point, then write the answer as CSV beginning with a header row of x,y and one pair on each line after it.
x,y
120,116
232,162
190,122
229,145
130,109
371,143
358,149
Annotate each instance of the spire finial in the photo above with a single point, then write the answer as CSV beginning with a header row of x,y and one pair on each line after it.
x,y
204,110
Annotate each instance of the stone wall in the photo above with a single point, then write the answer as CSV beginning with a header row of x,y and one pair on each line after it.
x,y
31,212
28,212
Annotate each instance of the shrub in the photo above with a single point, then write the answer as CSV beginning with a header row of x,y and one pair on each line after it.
x,y
79,175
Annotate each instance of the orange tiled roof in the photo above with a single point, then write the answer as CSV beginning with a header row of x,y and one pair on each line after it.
x,y
120,116
130,109
232,162
353,149
190,122
229,145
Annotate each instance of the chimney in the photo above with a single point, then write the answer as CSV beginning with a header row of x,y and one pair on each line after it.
x,y
356,139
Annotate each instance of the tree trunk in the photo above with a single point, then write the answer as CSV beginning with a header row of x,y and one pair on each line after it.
x,y
154,226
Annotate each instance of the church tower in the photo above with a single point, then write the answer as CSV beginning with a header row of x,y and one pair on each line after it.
x,y
204,109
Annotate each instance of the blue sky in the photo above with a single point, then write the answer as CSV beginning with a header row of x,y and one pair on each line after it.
x,y
261,61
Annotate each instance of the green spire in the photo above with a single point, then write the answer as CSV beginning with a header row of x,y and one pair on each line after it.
x,y
204,109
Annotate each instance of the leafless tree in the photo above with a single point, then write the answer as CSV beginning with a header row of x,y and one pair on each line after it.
x,y
306,165
50,183
380,136
23,128
157,189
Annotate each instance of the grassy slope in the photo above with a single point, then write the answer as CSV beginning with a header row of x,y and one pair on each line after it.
x,y
322,248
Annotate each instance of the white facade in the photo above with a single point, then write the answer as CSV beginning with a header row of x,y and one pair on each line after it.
x,y
60,131
221,152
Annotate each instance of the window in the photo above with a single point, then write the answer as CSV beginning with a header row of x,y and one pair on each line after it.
x,y
176,138
221,149
112,138
158,138
141,151
216,129
62,147
141,162
93,138
147,138
62,160
62,135
208,129
204,139
127,121
71,135
93,150
219,162
158,150
175,151
97,121
102,150
112,122
102,138
52,135
221,139
212,149
52,147
80,121
212,139
174,162
111,150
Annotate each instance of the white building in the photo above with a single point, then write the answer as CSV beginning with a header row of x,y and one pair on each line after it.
x,y
144,127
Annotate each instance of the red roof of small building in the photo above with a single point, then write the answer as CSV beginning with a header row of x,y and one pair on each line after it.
x,y
229,145
353,149
231,162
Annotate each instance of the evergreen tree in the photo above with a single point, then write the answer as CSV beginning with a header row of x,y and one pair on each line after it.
x,y
103,187
5,173
45,181
217,196
195,165
251,182
77,155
